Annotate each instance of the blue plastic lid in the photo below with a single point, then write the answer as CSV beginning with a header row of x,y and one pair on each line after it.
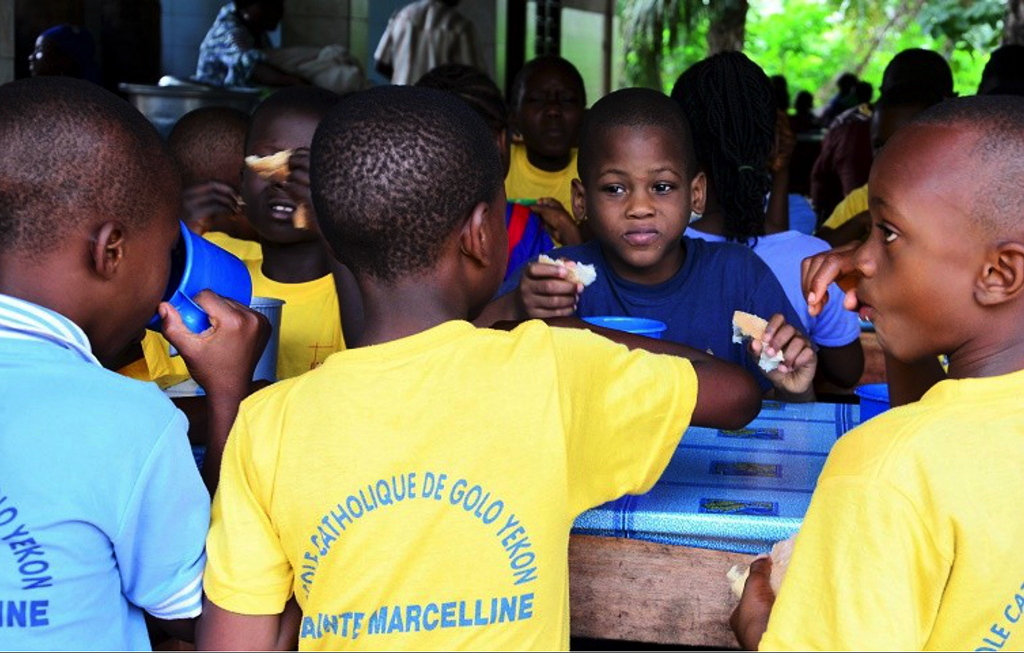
x,y
873,391
639,325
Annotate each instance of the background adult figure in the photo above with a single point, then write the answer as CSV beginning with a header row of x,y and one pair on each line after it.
x,y
803,119
423,35
1004,72
846,153
842,100
234,51
65,51
781,89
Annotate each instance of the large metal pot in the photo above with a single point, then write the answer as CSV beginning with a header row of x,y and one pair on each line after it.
x,y
163,105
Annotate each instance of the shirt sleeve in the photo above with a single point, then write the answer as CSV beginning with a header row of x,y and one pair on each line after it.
x,y
248,570
852,204
159,543
865,573
624,413
466,50
386,45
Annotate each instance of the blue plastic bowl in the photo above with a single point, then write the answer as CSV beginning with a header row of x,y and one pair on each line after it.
x,y
196,265
639,325
874,399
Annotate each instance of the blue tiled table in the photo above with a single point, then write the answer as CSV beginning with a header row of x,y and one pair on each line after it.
x,y
652,568
732,490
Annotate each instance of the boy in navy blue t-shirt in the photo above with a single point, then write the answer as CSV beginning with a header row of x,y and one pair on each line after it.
x,y
638,182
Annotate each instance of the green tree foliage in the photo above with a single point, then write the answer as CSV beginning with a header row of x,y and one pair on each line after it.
x,y
812,42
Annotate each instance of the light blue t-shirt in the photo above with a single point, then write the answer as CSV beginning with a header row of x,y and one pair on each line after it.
x,y
102,510
784,252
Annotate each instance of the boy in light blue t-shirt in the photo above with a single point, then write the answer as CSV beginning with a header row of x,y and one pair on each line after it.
x,y
103,514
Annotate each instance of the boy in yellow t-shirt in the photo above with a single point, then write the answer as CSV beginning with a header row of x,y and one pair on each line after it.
x,y
911,538
296,266
546,110
209,146
416,491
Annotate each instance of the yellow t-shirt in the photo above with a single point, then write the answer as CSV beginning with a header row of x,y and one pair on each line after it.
x,y
156,364
524,181
912,538
247,250
855,203
418,495
310,320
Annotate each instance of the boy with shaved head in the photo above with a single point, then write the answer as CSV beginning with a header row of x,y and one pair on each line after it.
x,y
911,540
102,511
416,491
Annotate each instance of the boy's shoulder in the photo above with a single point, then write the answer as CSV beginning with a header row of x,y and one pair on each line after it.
x,y
722,255
139,406
955,418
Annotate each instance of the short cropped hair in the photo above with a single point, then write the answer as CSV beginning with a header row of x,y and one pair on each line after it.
x,y
996,158
393,171
926,70
633,107
1004,72
208,142
473,86
543,61
310,100
74,151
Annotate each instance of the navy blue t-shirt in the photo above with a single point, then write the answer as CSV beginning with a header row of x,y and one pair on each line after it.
x,y
697,303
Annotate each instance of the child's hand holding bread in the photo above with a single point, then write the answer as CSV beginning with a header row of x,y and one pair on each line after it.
x,y
550,288
786,355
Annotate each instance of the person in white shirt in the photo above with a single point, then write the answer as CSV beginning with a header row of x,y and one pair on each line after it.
x,y
423,35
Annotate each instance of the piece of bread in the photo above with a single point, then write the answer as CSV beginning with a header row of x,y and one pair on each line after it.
x,y
578,272
780,554
748,325
300,218
273,167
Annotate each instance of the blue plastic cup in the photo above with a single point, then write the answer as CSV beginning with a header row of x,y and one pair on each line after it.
x,y
639,325
874,399
196,265
266,368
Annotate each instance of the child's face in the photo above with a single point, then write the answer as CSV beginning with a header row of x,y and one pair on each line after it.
x,y
550,111
920,263
270,206
638,199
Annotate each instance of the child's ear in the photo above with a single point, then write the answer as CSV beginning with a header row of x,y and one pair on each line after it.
x,y
579,200
477,235
1002,278
107,251
698,193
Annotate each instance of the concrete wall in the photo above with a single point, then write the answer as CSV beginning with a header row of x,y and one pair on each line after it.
x,y
182,28
6,41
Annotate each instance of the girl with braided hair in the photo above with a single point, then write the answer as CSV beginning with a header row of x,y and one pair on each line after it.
x,y
729,102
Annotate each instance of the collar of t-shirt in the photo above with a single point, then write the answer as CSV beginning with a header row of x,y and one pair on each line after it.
x,y
22,320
